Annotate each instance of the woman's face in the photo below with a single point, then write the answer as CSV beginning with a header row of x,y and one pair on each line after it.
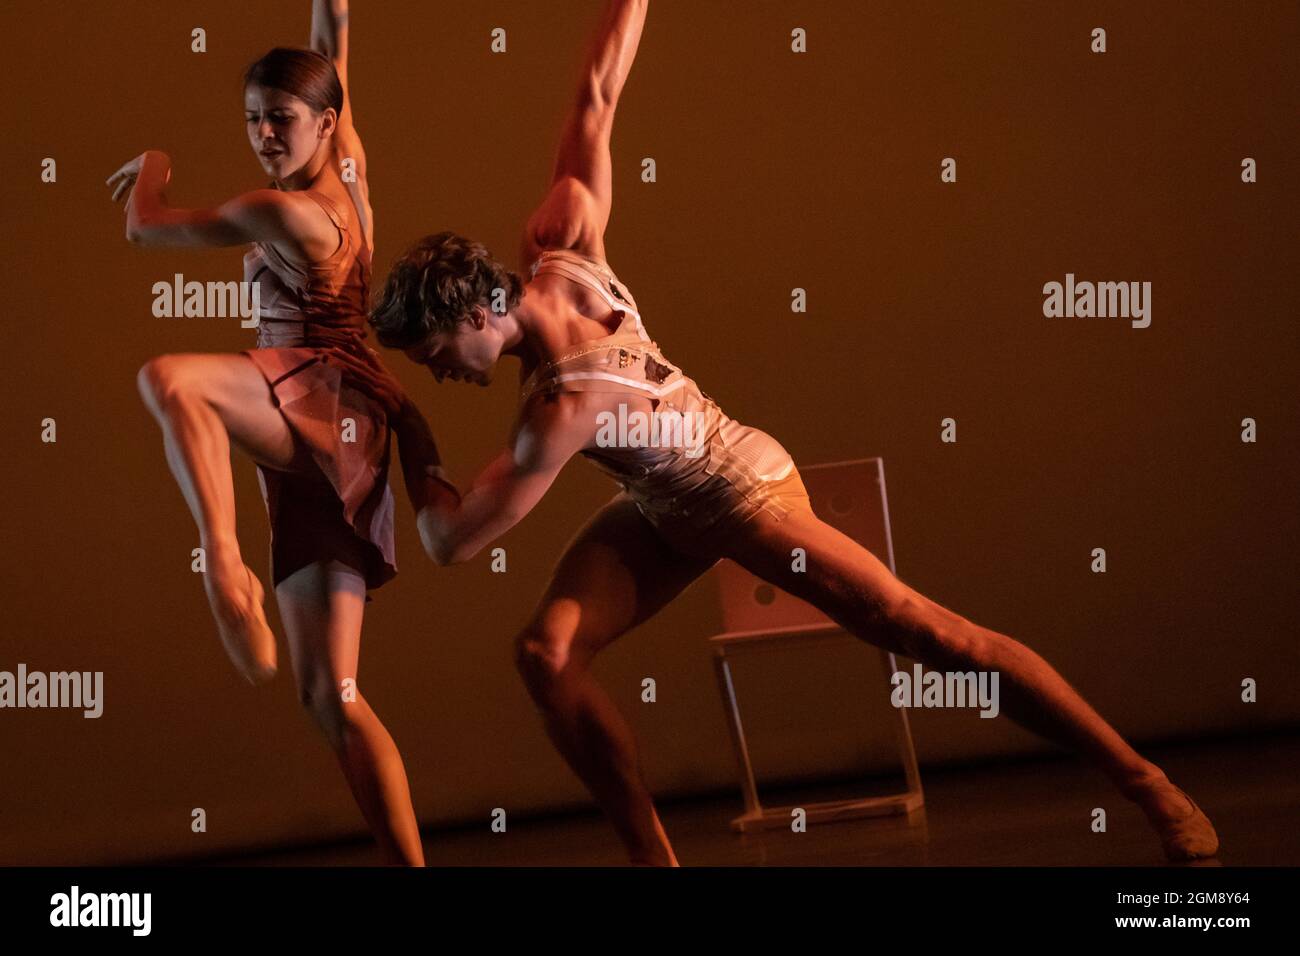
x,y
283,130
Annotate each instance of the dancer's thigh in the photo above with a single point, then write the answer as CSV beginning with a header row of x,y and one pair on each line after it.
x,y
616,573
235,389
841,578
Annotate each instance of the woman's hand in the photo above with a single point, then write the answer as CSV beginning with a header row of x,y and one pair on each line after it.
x,y
369,375
122,180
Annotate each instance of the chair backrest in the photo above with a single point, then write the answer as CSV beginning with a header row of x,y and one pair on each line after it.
x,y
848,495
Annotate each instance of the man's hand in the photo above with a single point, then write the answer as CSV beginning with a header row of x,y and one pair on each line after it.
x,y
368,374
419,452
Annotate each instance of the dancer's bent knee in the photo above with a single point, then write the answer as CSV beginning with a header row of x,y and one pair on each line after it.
x,y
542,656
324,703
156,382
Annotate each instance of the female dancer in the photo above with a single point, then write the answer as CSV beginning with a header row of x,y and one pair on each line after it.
x,y
321,447
729,491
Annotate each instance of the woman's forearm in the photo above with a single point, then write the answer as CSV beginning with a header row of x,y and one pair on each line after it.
x,y
146,201
329,33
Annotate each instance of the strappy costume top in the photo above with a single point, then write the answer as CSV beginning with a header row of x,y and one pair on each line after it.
x,y
305,308
625,360
318,305
662,480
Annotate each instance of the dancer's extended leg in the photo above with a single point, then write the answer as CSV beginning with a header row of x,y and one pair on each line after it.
x,y
615,574
322,607
857,590
203,403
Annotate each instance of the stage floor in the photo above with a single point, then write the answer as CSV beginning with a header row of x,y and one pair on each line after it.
x,y
1023,814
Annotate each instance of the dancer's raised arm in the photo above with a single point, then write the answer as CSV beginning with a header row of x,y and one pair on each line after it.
x,y
263,215
329,36
285,131
576,209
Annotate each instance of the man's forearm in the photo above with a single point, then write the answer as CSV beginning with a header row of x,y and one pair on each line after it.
x,y
613,50
426,482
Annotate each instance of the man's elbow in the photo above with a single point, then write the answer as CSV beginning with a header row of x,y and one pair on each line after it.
x,y
598,92
443,550
436,548
444,555
440,553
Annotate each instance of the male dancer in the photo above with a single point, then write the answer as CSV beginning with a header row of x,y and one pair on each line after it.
x,y
724,490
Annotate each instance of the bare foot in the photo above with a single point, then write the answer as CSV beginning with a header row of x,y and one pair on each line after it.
x,y
1185,831
236,596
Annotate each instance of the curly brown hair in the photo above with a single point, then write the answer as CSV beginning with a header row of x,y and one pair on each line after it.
x,y
435,285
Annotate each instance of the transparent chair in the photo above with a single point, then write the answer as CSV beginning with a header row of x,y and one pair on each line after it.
x,y
850,496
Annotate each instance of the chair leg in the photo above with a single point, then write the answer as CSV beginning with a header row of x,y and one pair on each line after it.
x,y
903,731
756,818
748,787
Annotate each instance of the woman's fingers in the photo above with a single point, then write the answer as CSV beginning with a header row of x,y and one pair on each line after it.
x,y
130,169
121,182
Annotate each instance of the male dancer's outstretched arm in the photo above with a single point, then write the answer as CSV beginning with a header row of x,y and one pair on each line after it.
x,y
575,212
573,215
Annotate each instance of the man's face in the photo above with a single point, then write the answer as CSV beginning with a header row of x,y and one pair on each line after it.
x,y
467,354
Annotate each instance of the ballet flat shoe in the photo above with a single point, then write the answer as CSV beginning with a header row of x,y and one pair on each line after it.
x,y
1191,837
